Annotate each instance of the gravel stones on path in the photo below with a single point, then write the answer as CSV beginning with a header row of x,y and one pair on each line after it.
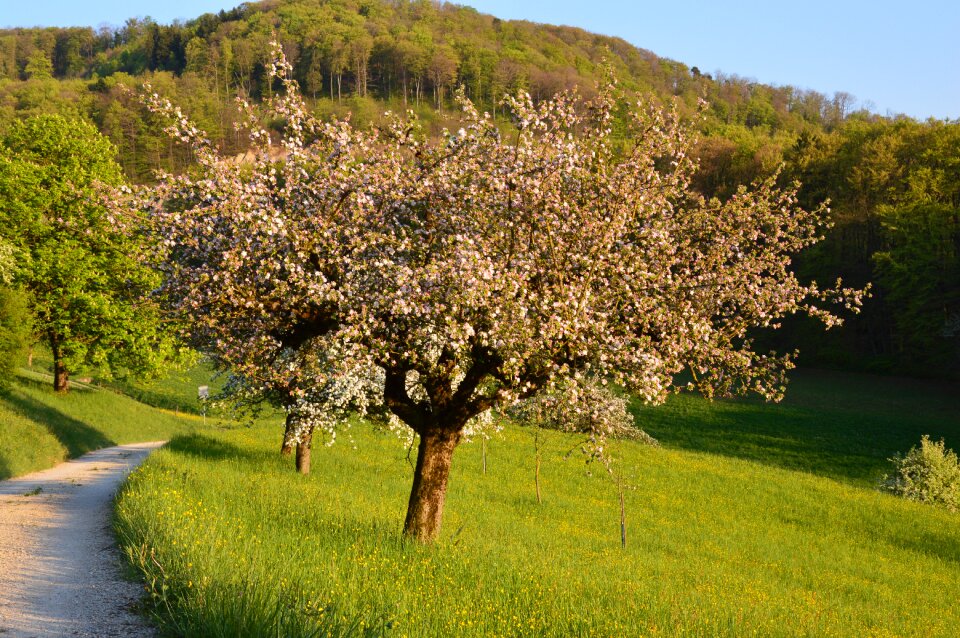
x,y
60,571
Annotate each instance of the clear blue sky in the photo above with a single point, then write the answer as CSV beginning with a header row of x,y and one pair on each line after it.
x,y
896,57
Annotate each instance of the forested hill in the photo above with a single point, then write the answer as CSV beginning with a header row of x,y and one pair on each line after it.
x,y
894,183
396,49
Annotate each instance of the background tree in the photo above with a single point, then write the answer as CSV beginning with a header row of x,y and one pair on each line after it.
x,y
86,288
476,271
14,317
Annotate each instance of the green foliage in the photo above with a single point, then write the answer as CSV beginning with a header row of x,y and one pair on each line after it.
x,y
39,66
894,187
368,56
929,474
15,321
87,288
15,327
234,543
919,271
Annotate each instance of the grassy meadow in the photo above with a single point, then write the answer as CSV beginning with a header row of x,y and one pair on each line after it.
x,y
752,519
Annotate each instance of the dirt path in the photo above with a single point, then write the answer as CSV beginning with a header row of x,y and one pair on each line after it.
x,y
59,570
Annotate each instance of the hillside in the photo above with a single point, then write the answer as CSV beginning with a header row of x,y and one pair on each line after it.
x,y
736,526
410,51
893,183
39,428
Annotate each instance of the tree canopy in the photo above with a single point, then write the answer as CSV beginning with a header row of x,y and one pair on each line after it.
x,y
14,318
86,287
481,268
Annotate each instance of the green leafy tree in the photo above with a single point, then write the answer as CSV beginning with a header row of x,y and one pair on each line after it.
x,y
14,317
919,272
39,66
86,287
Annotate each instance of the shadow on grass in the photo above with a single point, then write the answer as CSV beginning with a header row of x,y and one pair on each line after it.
x,y
158,398
5,471
832,441
75,435
946,547
209,448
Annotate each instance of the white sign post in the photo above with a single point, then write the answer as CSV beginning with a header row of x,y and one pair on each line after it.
x,y
203,393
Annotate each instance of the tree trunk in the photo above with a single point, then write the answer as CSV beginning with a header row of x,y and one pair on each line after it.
x,y
303,452
288,443
61,378
483,442
536,478
623,515
429,491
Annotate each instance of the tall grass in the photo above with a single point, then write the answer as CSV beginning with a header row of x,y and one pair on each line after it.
x,y
234,543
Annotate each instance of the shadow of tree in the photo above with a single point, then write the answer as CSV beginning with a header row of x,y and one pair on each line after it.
x,y
75,435
5,471
209,448
841,427
44,381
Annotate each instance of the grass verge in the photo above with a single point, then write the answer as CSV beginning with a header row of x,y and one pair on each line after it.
x,y
734,529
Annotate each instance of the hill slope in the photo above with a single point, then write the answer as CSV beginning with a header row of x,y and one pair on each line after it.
x,y
234,543
894,183
39,429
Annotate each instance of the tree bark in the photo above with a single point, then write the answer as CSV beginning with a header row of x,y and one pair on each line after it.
x,y
303,452
61,377
288,443
429,491
536,479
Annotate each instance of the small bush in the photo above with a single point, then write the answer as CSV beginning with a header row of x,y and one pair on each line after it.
x,y
930,474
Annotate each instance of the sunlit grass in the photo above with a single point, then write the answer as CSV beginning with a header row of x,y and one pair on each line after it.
x,y
235,543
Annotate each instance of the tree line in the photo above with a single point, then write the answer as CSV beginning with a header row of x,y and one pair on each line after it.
x,y
892,181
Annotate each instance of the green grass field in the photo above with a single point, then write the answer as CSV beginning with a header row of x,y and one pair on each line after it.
x,y
751,520
176,390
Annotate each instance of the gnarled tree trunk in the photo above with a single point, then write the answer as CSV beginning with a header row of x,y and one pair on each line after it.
x,y
303,451
61,377
429,491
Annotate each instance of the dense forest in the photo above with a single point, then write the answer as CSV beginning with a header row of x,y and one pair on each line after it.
x,y
893,182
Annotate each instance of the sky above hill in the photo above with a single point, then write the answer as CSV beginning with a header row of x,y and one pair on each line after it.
x,y
893,56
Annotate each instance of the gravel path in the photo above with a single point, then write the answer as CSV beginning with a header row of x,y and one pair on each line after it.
x,y
59,568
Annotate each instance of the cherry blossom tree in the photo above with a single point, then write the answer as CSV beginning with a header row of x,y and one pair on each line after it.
x,y
467,273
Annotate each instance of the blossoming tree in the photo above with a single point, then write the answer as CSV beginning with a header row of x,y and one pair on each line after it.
x,y
480,269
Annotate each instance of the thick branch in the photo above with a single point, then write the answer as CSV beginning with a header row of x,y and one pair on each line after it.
x,y
399,402
310,323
